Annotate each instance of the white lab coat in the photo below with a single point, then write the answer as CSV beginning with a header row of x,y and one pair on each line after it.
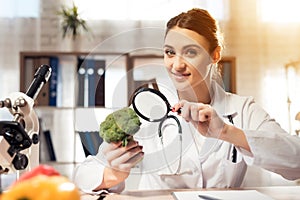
x,y
206,162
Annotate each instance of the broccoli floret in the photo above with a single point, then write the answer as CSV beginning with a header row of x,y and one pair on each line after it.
x,y
120,125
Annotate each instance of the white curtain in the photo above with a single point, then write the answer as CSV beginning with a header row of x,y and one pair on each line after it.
x,y
19,31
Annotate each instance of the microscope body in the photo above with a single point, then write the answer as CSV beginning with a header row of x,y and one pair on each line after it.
x,y
19,141
19,149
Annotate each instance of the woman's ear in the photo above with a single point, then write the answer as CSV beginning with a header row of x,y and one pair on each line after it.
x,y
216,54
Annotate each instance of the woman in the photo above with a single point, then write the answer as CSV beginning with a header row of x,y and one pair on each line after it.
x,y
222,132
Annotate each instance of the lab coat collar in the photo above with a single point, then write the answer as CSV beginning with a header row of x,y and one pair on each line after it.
x,y
220,101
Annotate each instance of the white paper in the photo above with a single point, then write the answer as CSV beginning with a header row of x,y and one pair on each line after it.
x,y
221,195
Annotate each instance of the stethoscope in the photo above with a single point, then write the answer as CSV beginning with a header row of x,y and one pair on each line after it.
x,y
151,105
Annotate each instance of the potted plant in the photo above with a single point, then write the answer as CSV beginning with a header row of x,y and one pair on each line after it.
x,y
72,23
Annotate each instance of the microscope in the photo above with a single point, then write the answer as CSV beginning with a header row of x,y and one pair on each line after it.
x,y
19,149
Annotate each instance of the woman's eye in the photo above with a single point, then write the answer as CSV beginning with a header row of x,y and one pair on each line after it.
x,y
191,53
169,52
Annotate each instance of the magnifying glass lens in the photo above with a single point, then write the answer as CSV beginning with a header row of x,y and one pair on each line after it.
x,y
150,106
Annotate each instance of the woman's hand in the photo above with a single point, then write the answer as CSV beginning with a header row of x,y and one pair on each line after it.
x,y
123,158
120,161
202,116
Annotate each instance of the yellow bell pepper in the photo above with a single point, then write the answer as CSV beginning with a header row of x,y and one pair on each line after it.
x,y
42,187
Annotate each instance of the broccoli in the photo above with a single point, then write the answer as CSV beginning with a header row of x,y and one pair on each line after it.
x,y
120,125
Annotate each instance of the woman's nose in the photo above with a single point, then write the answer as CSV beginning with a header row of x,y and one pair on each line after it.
x,y
179,63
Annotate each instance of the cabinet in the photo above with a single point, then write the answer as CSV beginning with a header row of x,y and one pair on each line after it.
x,y
228,72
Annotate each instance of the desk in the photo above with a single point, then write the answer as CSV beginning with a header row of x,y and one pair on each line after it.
x,y
276,192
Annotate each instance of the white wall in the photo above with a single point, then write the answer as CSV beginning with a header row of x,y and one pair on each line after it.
x,y
261,50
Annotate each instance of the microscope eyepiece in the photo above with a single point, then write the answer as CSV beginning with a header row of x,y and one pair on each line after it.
x,y
41,76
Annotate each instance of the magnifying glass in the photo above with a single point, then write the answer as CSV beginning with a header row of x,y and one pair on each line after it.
x,y
151,105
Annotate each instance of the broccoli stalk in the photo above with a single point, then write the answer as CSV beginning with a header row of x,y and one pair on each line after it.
x,y
120,125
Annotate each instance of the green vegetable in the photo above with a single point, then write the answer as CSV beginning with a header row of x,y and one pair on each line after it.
x,y
120,125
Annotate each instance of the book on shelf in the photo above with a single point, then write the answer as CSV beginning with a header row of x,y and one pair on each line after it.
x,y
66,81
29,72
43,151
49,143
91,75
81,73
46,150
91,82
100,82
90,141
53,81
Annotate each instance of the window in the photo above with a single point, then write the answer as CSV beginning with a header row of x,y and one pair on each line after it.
x,y
145,10
19,8
282,11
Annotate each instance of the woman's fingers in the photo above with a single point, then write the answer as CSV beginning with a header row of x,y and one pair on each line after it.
x,y
177,106
123,158
126,166
127,160
111,146
114,150
194,111
202,116
202,112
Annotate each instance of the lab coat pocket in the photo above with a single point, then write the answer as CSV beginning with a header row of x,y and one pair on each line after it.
x,y
234,172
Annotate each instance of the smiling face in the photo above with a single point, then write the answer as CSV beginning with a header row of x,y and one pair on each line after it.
x,y
186,58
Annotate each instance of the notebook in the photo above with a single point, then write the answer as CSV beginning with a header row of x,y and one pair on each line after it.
x,y
220,195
